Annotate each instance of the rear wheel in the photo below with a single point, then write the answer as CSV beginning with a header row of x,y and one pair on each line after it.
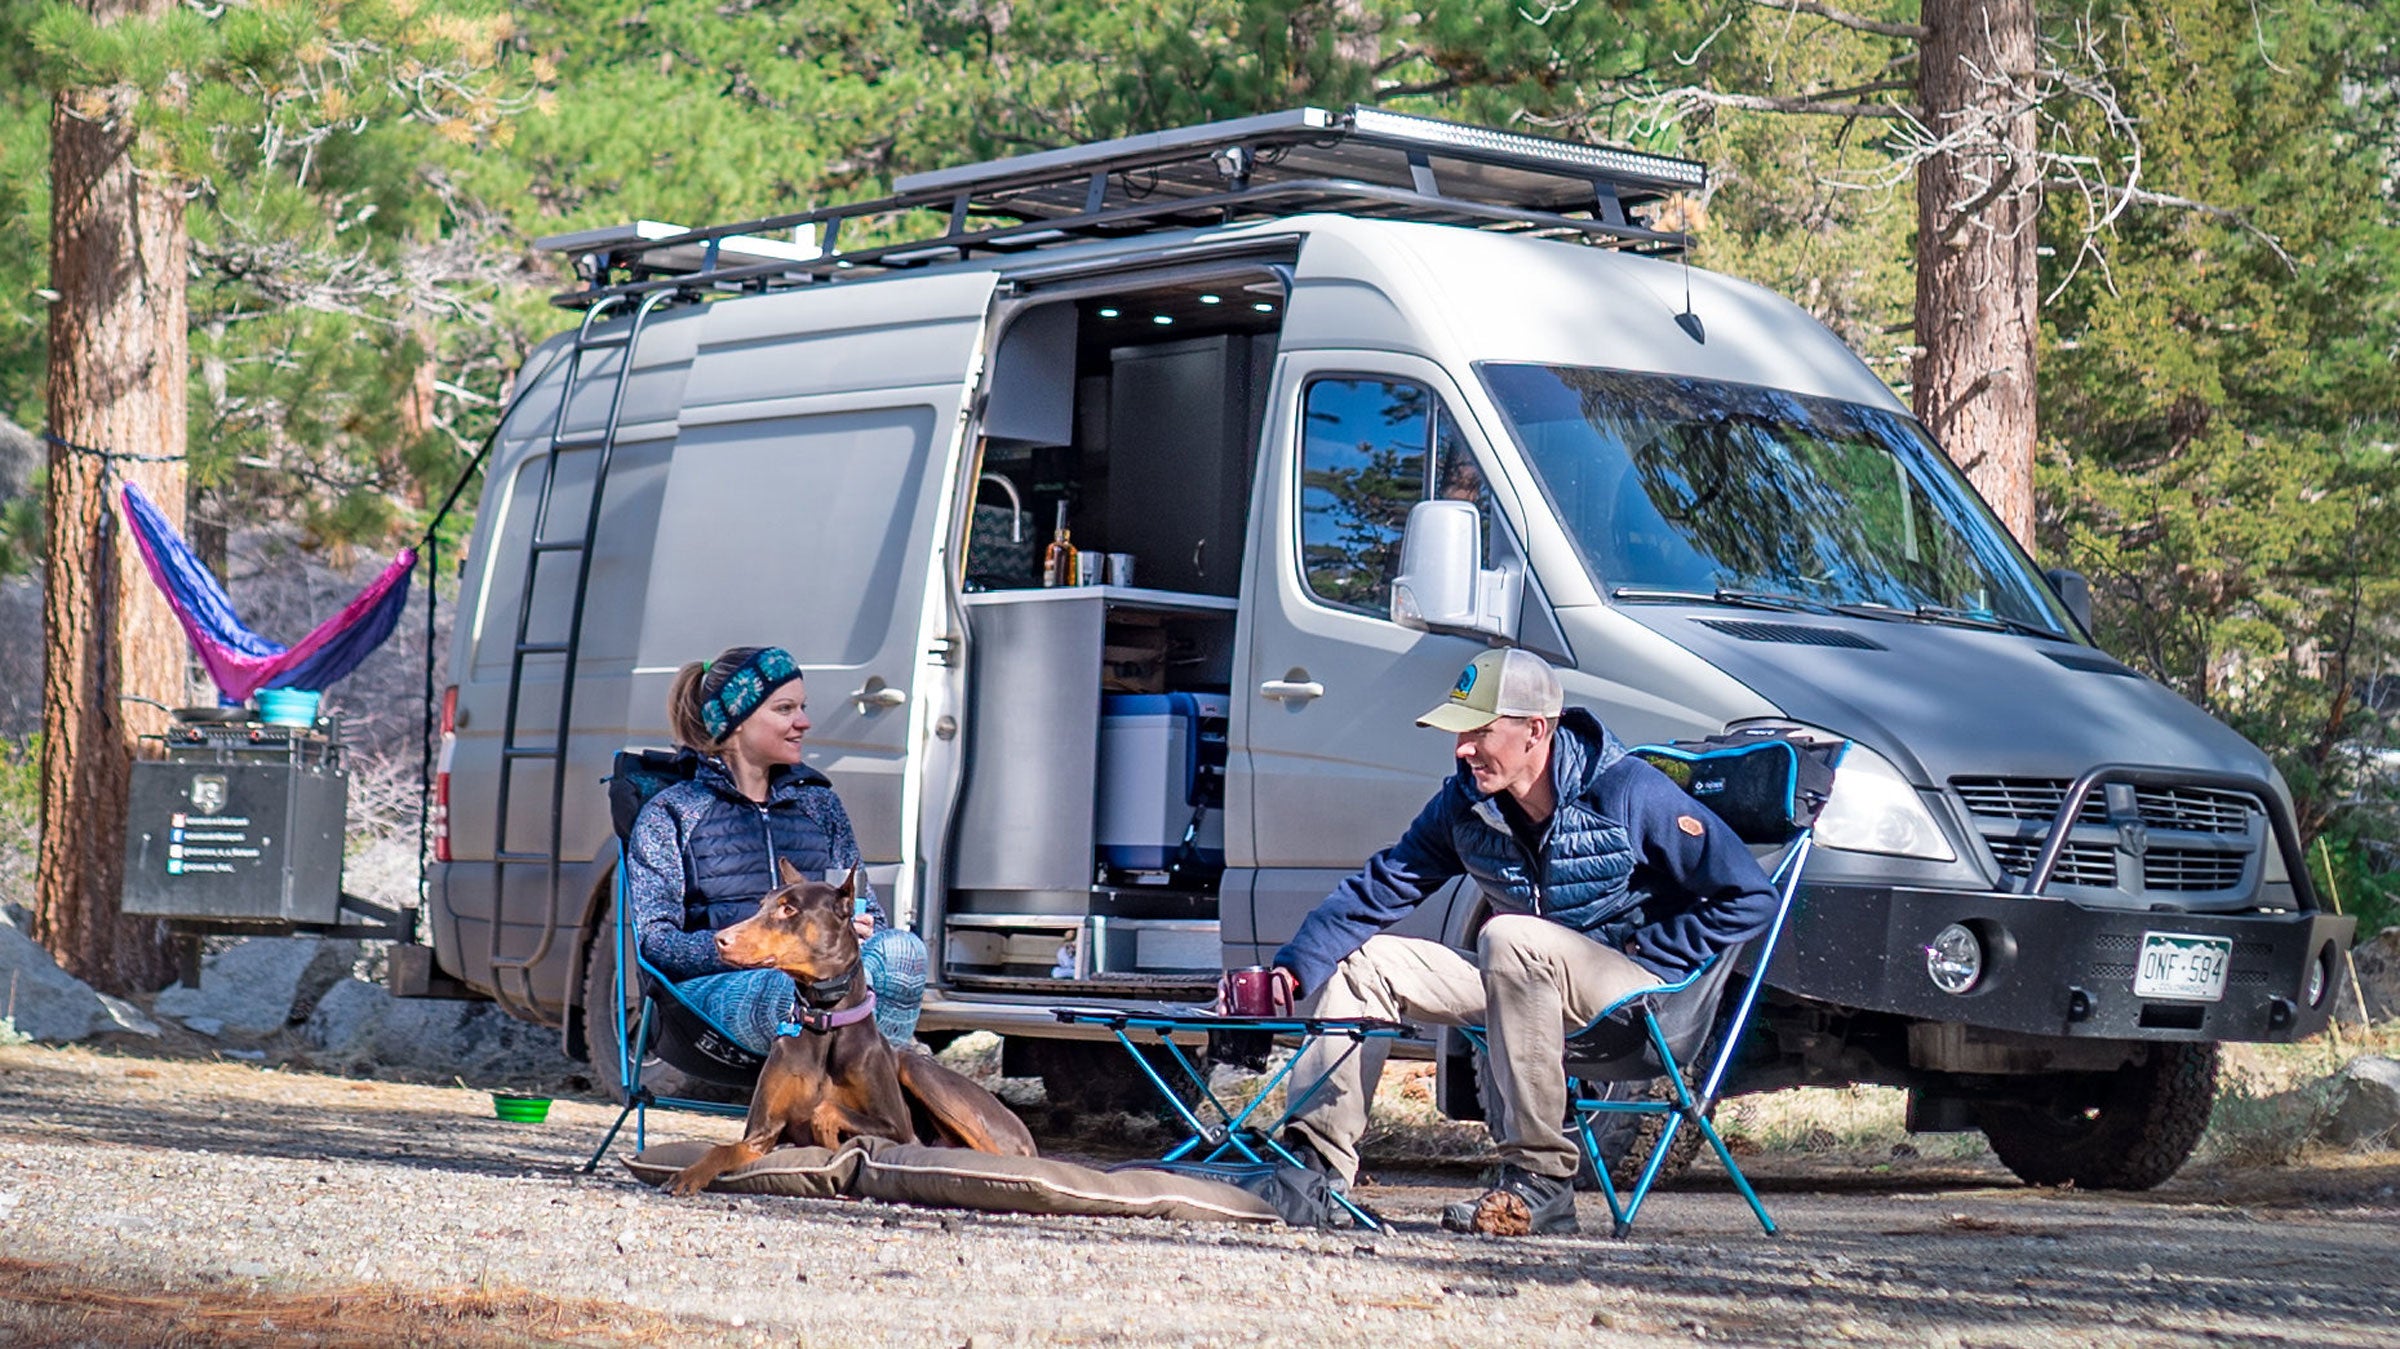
x,y
605,1034
1098,1076
2127,1130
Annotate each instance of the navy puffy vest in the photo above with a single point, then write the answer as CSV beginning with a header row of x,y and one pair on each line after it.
x,y
1581,879
733,844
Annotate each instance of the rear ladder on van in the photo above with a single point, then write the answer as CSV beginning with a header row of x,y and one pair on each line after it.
x,y
515,748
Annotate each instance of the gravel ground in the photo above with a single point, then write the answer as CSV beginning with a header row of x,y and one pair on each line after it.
x,y
147,1200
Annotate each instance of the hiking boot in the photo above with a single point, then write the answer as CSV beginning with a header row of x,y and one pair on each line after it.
x,y
1304,1148
1519,1204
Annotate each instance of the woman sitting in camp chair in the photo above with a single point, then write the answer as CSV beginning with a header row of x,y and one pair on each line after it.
x,y
703,852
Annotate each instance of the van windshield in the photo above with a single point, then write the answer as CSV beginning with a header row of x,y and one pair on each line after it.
x,y
1673,487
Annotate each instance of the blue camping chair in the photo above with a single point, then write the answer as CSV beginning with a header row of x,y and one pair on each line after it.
x,y
666,1029
1769,787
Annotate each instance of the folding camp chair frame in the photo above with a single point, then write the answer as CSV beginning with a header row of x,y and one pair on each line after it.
x,y
1686,1107
638,1098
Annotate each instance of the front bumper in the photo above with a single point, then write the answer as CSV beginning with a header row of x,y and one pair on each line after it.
x,y
2055,967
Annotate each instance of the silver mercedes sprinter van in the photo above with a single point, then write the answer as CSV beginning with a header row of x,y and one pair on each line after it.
x,y
1347,396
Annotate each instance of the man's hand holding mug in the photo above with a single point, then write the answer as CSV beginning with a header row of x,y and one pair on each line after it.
x,y
1257,991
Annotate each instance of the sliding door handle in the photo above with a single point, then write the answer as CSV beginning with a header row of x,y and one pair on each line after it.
x,y
1291,690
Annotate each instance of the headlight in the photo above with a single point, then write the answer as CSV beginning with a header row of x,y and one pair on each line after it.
x,y
1875,810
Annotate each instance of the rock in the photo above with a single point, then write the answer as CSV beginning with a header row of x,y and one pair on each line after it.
x,y
258,987
2365,1105
124,1016
2377,960
358,1024
44,1001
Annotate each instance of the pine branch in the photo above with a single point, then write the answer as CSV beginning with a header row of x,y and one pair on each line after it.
x,y
1801,104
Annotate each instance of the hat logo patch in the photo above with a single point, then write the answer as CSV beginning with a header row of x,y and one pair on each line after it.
x,y
1466,683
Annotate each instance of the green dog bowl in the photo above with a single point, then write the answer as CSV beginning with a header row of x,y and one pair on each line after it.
x,y
522,1109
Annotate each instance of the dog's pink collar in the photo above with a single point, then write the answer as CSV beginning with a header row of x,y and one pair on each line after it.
x,y
813,1020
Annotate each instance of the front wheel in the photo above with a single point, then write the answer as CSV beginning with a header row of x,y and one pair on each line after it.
x,y
2126,1130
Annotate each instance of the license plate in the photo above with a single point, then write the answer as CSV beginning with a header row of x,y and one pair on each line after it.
x,y
2181,965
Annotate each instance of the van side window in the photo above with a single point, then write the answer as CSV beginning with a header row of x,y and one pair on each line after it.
x,y
1362,465
1371,449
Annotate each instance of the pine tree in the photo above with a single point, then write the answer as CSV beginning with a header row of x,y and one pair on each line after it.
x,y
150,101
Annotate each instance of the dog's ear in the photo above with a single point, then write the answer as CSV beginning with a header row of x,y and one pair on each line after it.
x,y
849,886
790,874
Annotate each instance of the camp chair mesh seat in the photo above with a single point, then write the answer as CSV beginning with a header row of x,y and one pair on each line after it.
x,y
666,1029
1769,787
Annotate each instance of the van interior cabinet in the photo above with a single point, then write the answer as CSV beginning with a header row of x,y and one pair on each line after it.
x,y
1024,874
1182,419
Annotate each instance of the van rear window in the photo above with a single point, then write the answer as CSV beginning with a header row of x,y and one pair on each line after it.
x,y
1673,484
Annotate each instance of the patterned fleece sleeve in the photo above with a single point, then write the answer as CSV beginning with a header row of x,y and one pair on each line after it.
x,y
654,881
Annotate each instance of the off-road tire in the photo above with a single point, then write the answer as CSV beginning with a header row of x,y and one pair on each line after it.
x,y
602,1040
2148,1118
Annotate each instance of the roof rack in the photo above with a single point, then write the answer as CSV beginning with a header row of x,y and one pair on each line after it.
x,y
1362,162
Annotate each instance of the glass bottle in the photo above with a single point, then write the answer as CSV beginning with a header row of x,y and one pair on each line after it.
x,y
1058,563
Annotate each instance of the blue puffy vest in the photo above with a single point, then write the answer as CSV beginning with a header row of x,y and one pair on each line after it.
x,y
1581,879
731,843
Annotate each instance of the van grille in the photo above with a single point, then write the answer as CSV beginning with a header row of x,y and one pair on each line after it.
x,y
2207,840
2088,864
2184,869
2038,799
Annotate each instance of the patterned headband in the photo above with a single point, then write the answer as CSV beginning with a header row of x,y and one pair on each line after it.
x,y
767,670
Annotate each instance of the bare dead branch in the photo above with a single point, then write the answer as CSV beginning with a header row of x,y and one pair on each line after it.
x,y
1911,31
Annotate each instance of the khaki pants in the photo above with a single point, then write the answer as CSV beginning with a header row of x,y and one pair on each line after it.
x,y
1532,983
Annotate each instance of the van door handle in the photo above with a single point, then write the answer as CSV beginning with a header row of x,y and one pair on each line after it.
x,y
878,694
1292,690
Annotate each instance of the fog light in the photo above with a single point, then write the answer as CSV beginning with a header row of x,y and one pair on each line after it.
x,y
1954,959
2320,976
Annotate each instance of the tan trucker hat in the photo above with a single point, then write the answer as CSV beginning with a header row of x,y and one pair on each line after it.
x,y
1496,684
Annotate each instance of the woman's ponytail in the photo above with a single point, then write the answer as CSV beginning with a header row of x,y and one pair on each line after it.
x,y
683,709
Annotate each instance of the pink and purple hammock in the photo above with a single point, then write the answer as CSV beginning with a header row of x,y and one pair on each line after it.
x,y
239,660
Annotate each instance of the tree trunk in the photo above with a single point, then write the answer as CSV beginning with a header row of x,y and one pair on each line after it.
x,y
117,384
1977,287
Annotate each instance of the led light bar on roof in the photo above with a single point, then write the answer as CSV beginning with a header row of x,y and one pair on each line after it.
x,y
733,250
1509,147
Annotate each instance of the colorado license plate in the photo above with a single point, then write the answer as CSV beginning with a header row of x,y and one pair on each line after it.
x,y
2181,965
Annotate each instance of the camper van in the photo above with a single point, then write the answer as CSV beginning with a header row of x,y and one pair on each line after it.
x,y
1297,413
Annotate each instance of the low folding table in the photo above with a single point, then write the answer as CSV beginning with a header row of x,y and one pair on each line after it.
x,y
1231,1132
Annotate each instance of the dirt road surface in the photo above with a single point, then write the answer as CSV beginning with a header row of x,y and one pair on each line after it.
x,y
147,1201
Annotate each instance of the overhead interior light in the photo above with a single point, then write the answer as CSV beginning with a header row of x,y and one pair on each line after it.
x,y
1263,307
1209,299
1161,319
1108,313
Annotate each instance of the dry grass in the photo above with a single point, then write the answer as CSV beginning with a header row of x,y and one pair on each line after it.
x,y
42,1306
2272,1100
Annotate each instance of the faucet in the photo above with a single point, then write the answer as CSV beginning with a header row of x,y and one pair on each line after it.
x,y
1016,505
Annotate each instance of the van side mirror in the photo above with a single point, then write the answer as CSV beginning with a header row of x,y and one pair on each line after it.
x,y
2073,591
1443,585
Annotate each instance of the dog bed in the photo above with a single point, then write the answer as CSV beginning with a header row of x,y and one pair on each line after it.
x,y
905,1173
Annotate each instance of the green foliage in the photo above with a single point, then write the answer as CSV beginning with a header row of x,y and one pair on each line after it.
x,y
20,817
2220,413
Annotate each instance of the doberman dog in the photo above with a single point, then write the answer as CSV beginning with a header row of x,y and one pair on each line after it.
x,y
832,1076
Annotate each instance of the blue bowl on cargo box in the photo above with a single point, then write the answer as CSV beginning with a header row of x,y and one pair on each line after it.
x,y
288,707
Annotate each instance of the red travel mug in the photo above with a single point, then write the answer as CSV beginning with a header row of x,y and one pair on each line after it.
x,y
1250,991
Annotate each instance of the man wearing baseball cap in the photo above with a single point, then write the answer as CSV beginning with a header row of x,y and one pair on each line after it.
x,y
1603,878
